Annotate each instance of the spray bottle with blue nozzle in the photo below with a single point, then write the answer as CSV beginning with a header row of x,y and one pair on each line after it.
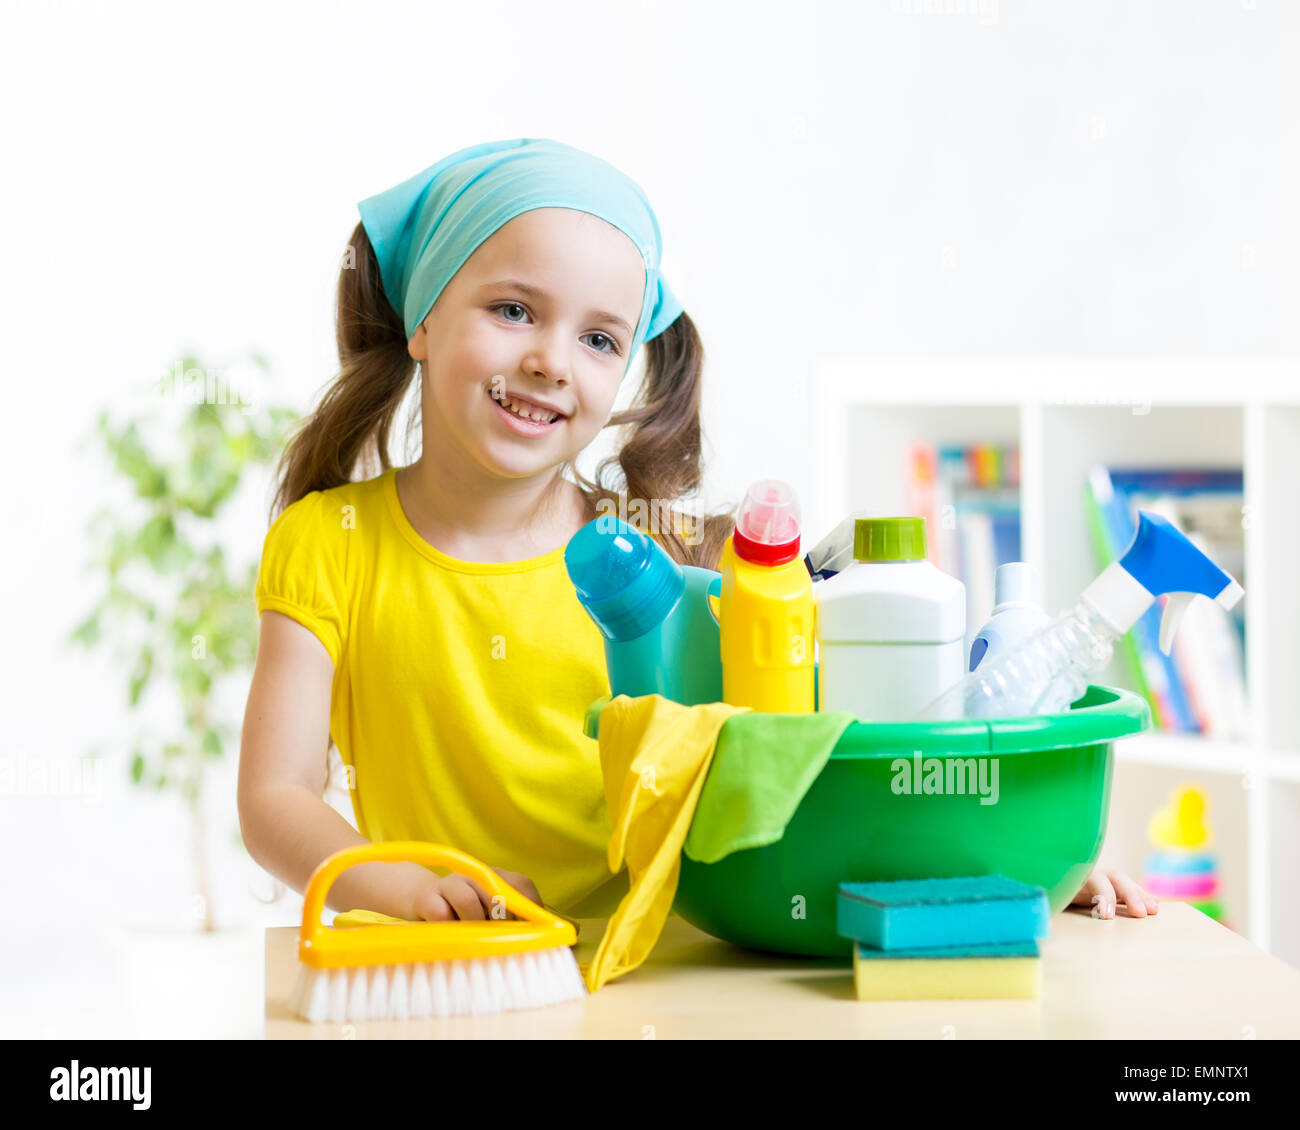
x,y
661,636
1050,669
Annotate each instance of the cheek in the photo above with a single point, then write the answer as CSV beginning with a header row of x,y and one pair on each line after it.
x,y
591,418
478,349
468,367
474,345
456,384
601,393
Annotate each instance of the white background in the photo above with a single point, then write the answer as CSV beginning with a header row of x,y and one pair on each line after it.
x,y
911,178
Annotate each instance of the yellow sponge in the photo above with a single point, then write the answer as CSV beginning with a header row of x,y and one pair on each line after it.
x,y
881,976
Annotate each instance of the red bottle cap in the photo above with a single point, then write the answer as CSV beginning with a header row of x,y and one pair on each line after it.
x,y
767,531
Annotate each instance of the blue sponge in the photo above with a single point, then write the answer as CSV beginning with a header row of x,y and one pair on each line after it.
x,y
924,913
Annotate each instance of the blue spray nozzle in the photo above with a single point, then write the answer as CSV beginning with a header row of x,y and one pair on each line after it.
x,y
1160,561
625,580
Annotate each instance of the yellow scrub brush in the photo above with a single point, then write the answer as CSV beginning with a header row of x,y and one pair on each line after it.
x,y
418,970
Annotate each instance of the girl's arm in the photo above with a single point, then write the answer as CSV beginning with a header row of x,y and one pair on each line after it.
x,y
286,824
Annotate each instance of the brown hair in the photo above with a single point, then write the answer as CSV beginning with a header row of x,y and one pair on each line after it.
x,y
659,463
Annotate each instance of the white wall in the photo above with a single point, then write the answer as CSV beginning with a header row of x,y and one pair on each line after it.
x,y
841,178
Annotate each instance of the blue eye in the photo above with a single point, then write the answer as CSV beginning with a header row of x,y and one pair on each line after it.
x,y
503,305
613,345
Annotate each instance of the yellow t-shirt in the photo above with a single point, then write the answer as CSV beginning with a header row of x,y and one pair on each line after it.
x,y
459,689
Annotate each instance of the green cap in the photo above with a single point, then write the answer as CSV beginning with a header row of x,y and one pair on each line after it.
x,y
889,539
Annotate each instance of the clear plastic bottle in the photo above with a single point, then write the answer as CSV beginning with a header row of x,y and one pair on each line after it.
x,y
1050,669
1042,676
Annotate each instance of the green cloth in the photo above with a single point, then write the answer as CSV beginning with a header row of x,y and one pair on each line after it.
x,y
763,765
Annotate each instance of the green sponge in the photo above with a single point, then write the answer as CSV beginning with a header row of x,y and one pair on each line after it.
x,y
913,914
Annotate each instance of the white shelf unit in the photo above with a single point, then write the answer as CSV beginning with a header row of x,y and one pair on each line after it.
x,y
1067,414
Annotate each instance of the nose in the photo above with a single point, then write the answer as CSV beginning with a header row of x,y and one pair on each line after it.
x,y
549,358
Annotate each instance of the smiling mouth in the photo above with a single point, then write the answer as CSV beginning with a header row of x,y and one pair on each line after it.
x,y
525,411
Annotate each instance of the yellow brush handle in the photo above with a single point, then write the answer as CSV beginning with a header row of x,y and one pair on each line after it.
x,y
321,947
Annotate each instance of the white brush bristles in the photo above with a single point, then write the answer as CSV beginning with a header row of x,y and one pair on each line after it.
x,y
423,990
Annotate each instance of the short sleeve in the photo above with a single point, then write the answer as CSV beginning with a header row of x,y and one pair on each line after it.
x,y
301,574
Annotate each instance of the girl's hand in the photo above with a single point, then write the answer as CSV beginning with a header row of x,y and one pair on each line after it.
x,y
1105,889
460,897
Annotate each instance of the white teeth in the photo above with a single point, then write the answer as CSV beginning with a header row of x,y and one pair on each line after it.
x,y
528,413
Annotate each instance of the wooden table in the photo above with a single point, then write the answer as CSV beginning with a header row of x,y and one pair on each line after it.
x,y
1177,975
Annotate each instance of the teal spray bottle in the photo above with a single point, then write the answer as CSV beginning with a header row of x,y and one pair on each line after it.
x,y
661,636
1050,669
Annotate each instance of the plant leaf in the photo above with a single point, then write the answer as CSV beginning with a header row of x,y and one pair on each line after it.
x,y
140,675
89,632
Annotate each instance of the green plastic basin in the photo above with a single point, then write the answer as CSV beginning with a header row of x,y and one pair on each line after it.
x,y
1045,827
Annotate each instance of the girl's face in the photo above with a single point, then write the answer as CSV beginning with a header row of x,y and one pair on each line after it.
x,y
538,320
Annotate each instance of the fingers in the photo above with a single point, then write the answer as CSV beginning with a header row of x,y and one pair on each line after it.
x,y
467,899
1101,895
460,897
1105,890
521,883
432,907
1086,894
1091,890
1138,902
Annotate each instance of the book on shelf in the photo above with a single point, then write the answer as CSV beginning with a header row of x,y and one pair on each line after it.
x,y
1201,686
969,496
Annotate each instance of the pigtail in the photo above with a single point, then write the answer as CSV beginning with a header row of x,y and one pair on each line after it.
x,y
348,432
659,463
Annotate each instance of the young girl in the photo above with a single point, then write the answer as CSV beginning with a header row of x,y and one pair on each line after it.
x,y
423,620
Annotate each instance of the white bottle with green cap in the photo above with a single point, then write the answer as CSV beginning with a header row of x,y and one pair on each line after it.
x,y
891,627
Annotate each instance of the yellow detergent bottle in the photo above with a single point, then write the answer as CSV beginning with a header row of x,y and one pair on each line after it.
x,y
766,607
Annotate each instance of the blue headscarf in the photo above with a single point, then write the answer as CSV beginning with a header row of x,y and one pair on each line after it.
x,y
425,228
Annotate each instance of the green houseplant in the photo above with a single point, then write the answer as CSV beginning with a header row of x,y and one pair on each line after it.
x,y
175,612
